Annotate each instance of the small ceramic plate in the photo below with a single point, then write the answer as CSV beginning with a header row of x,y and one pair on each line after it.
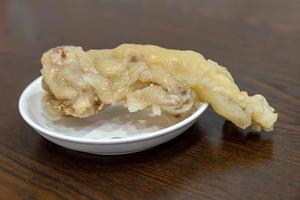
x,y
112,131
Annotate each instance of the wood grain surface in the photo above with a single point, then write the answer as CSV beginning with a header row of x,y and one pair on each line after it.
x,y
258,40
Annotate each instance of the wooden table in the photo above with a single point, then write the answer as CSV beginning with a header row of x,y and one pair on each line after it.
x,y
258,40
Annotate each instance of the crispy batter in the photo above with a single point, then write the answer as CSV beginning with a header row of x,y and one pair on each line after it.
x,y
80,84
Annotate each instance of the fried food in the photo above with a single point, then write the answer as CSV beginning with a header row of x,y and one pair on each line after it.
x,y
81,83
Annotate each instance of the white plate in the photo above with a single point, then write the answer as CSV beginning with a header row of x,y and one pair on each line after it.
x,y
113,131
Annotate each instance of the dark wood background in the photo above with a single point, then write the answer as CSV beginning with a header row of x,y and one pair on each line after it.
x,y
258,40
